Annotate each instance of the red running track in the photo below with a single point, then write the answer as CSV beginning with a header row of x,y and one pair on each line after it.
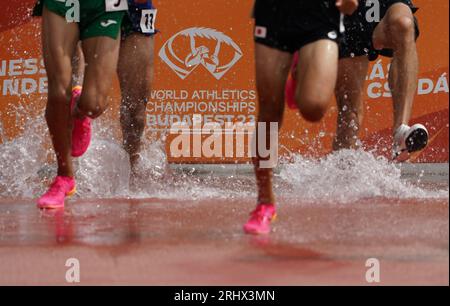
x,y
169,242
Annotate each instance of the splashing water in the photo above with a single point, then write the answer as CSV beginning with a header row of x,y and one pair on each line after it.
x,y
104,169
104,172
349,175
20,161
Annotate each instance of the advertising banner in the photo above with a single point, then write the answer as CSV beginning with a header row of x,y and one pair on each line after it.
x,y
220,89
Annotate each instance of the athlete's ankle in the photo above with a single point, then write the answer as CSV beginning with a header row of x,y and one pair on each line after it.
x,y
64,174
266,200
401,129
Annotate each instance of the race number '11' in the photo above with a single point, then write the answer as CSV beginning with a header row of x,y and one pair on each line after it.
x,y
148,19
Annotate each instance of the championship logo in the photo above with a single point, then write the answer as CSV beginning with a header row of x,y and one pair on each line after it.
x,y
190,48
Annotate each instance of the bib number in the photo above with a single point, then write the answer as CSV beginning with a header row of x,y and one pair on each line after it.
x,y
148,19
116,5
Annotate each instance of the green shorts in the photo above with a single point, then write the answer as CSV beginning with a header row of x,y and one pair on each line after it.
x,y
94,20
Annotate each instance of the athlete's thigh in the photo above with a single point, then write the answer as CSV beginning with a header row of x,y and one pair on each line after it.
x,y
135,67
59,40
272,69
317,70
101,55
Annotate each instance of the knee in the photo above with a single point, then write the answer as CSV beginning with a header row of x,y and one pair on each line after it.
x,y
59,91
313,109
402,28
58,94
92,105
312,105
313,113
58,102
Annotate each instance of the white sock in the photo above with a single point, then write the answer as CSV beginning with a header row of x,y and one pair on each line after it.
x,y
401,130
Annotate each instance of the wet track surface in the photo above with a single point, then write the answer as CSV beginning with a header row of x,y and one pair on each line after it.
x,y
169,242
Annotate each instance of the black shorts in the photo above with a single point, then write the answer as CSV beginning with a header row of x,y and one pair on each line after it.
x,y
288,25
140,18
357,40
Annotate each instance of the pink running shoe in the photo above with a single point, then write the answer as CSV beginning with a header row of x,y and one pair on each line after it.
x,y
82,132
291,84
261,217
54,198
